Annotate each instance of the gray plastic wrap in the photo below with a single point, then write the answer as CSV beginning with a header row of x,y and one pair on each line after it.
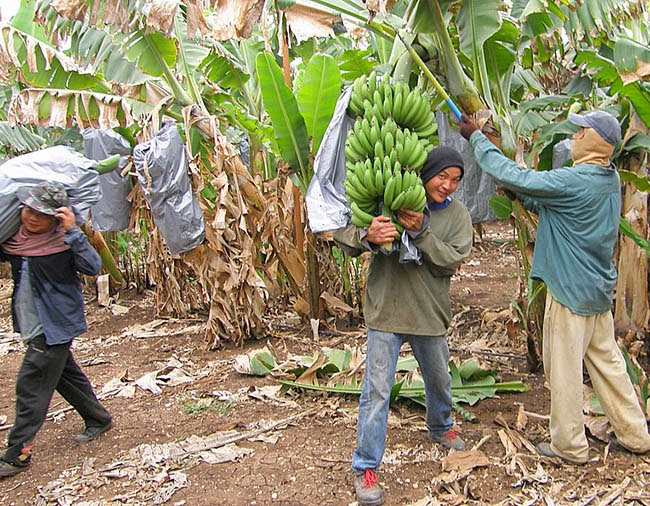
x,y
59,163
162,173
561,153
476,188
112,211
327,208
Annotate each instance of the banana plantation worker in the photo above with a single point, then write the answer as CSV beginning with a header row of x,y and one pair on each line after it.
x,y
48,311
409,302
579,209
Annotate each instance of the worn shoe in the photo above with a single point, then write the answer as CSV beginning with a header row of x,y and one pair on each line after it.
x,y
545,450
615,443
449,439
91,433
8,469
367,489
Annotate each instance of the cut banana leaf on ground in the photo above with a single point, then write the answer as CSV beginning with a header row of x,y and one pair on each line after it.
x,y
470,384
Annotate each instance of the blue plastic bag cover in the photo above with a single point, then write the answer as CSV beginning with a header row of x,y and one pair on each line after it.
x,y
112,211
162,174
58,163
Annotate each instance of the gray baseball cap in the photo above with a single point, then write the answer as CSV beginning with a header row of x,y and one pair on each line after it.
x,y
45,197
605,125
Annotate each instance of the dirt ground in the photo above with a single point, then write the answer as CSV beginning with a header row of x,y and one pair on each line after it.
x,y
158,451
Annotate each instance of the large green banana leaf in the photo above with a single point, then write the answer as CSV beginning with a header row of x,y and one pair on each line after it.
x,y
44,67
317,97
21,139
288,124
477,21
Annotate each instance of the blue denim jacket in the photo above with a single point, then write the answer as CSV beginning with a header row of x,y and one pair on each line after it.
x,y
57,287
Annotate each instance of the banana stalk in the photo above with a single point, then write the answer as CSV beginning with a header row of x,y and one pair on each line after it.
x,y
108,260
460,86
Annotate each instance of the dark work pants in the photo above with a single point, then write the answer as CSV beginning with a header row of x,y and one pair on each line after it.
x,y
45,369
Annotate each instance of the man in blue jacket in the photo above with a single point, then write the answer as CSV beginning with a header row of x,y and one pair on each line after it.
x,y
579,209
48,310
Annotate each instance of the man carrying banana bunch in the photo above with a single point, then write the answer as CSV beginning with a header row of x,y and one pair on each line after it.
x,y
409,302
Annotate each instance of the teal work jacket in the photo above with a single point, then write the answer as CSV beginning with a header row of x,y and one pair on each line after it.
x,y
579,209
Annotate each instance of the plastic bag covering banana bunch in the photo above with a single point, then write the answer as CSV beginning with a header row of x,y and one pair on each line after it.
x,y
386,148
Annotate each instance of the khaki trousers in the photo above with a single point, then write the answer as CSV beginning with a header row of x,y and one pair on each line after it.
x,y
568,339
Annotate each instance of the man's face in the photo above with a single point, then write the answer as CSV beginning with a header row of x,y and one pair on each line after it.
x,y
443,184
36,222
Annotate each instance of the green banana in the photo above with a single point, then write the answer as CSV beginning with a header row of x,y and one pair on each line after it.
x,y
372,83
398,100
387,108
356,105
358,152
351,195
379,182
350,154
389,142
388,191
369,206
409,109
397,201
363,219
398,184
427,131
360,187
420,111
375,132
369,181
419,162
376,99
379,150
421,201
411,197
415,153
361,135
387,169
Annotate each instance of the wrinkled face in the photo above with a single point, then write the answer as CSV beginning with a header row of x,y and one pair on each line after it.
x,y
443,184
36,222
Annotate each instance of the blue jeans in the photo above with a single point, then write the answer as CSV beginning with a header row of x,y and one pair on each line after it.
x,y
382,352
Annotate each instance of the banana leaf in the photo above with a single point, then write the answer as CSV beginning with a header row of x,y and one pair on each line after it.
x,y
318,95
481,389
288,124
20,138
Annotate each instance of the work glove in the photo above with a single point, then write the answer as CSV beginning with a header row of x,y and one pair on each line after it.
x,y
467,127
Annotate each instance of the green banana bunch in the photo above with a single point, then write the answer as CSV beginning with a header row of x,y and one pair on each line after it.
x,y
385,148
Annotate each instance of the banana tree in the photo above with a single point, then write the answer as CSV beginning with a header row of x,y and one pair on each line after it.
x,y
296,121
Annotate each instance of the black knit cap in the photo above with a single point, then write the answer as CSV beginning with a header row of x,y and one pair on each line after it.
x,y
438,160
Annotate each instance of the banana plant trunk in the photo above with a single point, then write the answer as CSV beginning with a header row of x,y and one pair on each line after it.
x,y
312,267
631,311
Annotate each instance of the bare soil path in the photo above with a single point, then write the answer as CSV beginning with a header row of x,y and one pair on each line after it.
x,y
188,400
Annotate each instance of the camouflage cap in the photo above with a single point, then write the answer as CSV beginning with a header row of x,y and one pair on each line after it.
x,y
44,197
